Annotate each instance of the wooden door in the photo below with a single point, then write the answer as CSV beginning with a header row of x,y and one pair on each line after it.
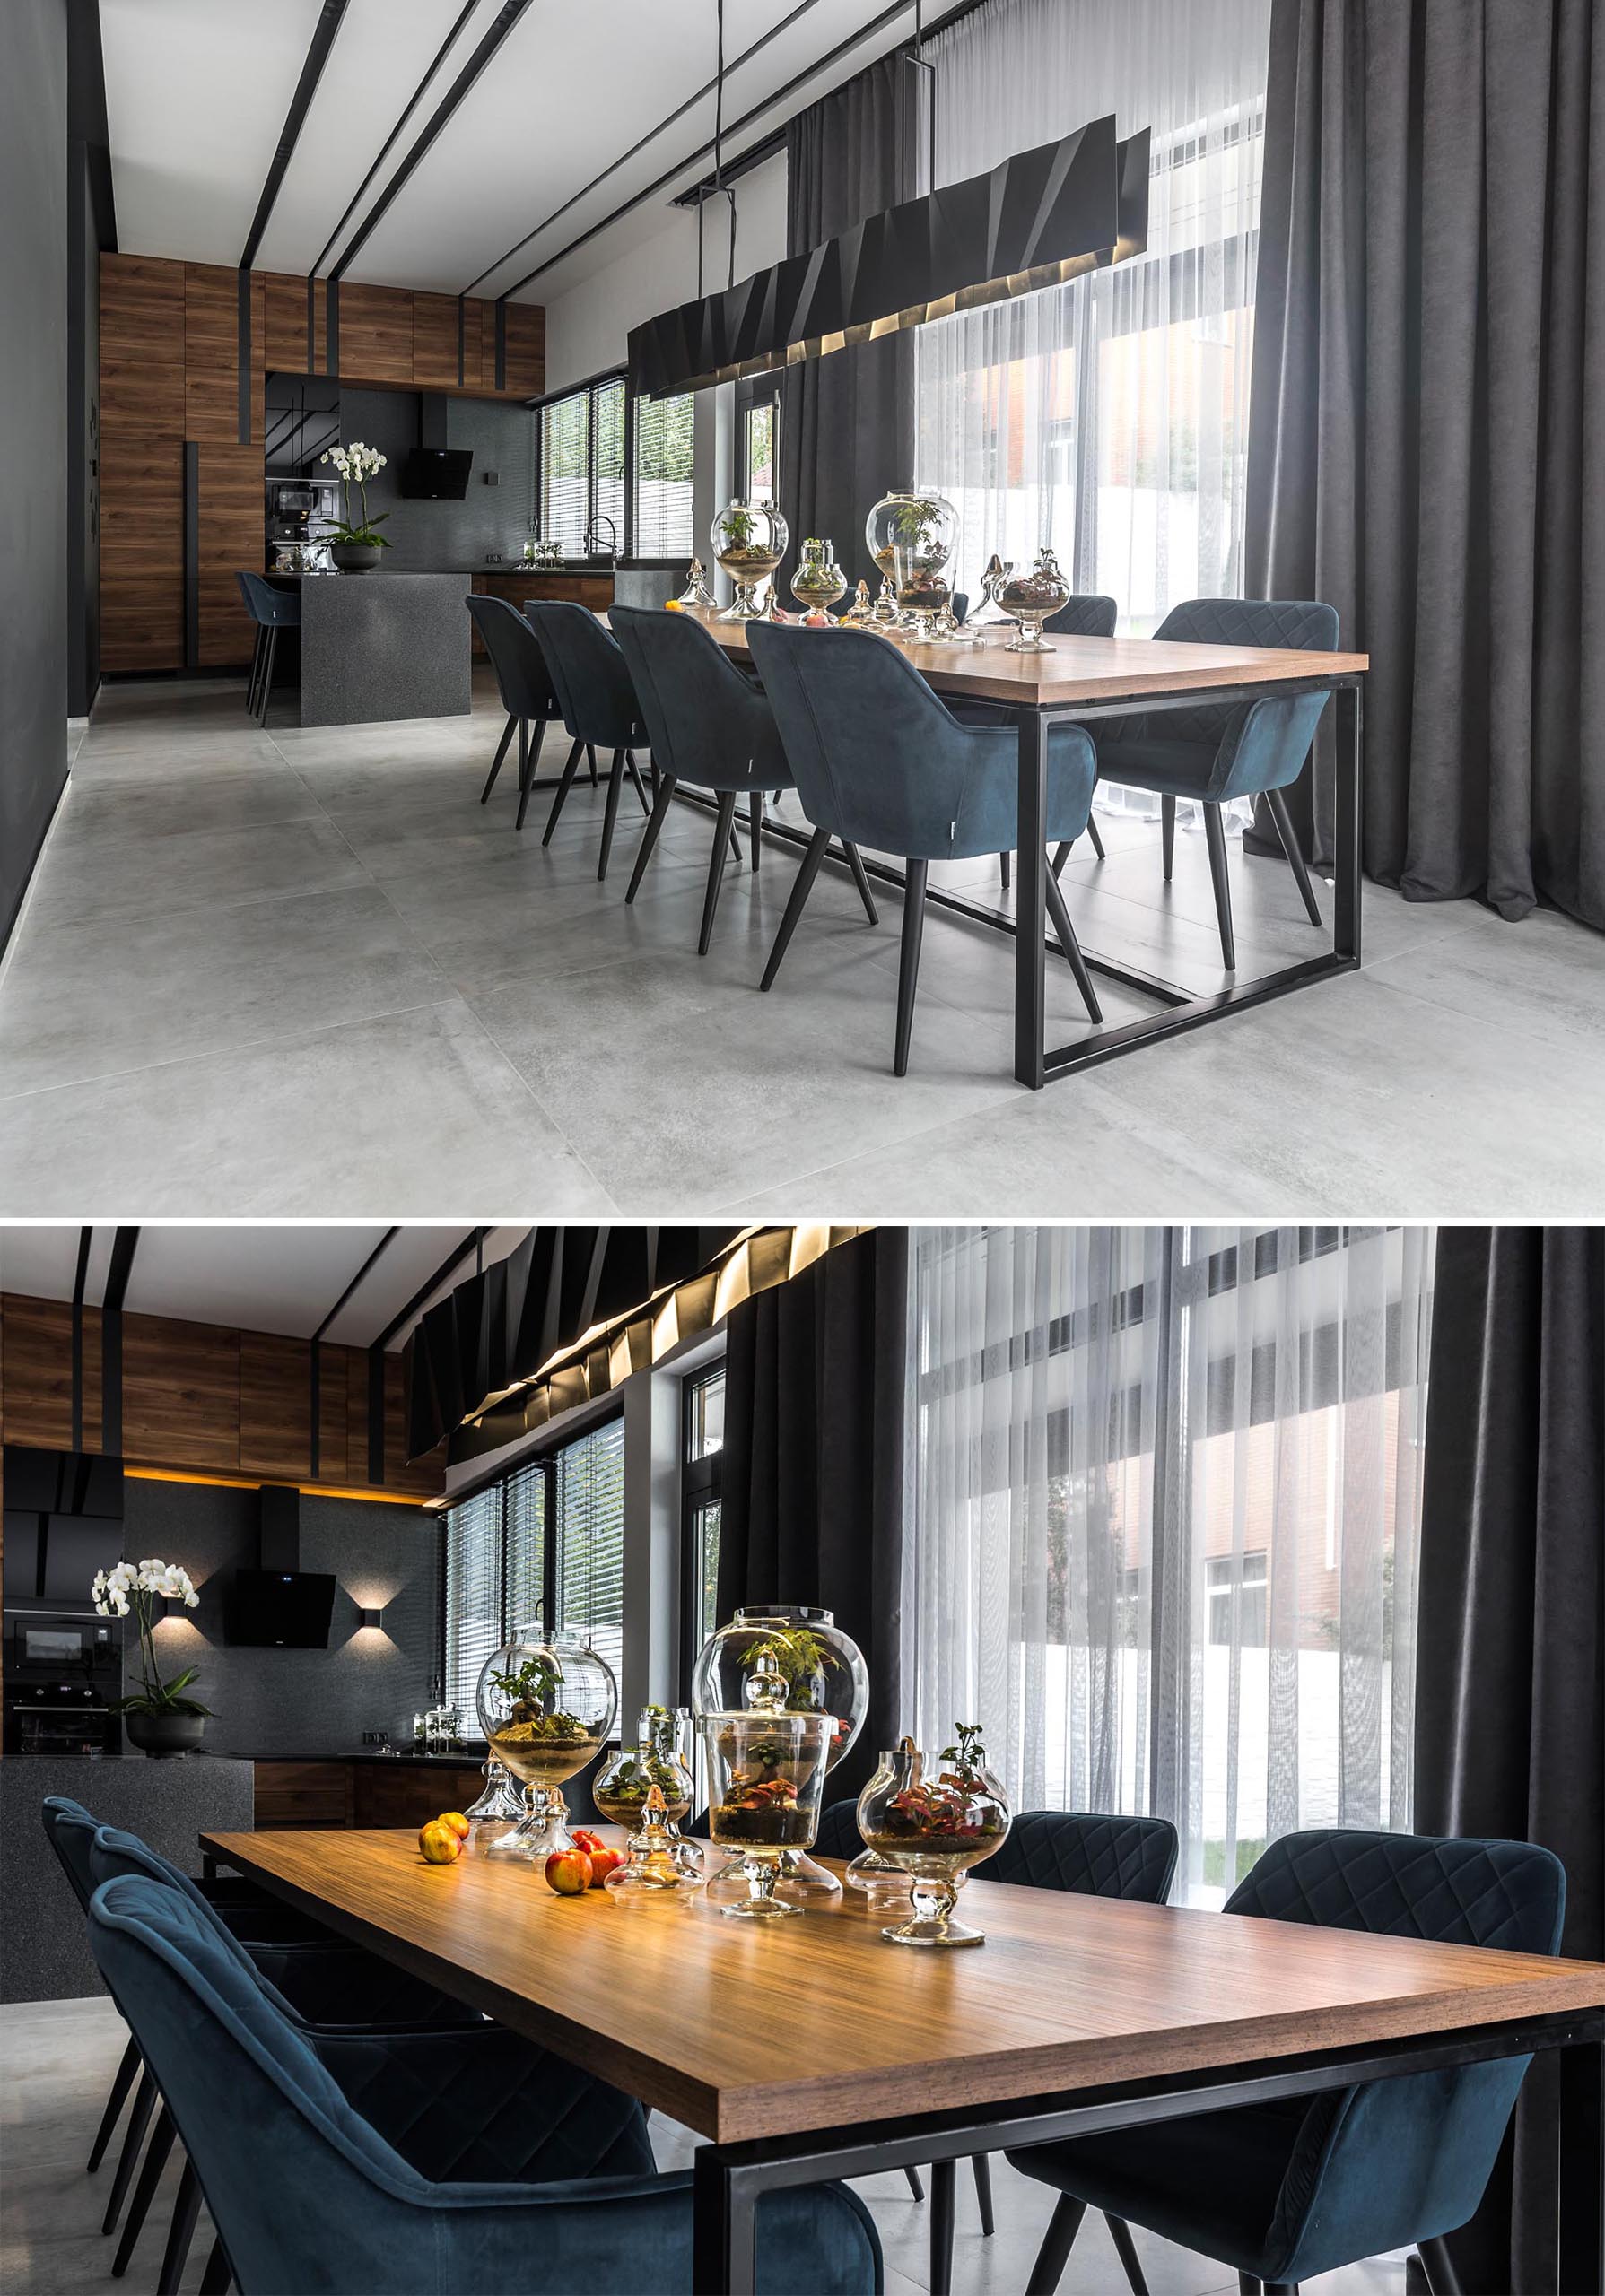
x,y
231,523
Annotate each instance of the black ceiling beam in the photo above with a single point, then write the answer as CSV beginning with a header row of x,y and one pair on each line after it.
x,y
416,99
86,1239
362,1275
844,47
507,16
453,1260
86,113
328,23
697,96
124,1245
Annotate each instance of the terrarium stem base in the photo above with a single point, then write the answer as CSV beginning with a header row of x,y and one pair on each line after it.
x,y
1030,641
932,1922
760,1903
797,1866
533,1836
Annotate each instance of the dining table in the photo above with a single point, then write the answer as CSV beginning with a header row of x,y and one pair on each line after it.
x,y
811,2048
1084,681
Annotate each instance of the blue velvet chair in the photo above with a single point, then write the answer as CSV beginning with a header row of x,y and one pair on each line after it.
x,y
880,761
1219,751
1281,2192
712,728
272,611
599,701
524,682
325,2169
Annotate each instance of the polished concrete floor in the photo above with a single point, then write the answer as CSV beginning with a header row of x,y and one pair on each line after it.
x,y
304,972
57,2058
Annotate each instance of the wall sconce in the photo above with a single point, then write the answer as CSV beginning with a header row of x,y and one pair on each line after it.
x,y
371,1617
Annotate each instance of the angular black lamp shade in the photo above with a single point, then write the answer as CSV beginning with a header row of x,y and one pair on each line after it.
x,y
371,1617
1036,221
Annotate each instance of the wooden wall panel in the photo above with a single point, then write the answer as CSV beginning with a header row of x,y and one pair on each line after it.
x,y
474,327
231,523
36,1372
142,348
333,1463
258,357
524,366
211,355
275,1406
376,333
180,1394
142,417
434,342
285,326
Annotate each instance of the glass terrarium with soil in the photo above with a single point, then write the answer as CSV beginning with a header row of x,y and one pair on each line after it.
x,y
1029,596
911,538
934,1830
625,1784
545,1708
766,1768
749,541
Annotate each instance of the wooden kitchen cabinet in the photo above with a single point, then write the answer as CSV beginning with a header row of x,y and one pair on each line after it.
x,y
295,1794
400,1794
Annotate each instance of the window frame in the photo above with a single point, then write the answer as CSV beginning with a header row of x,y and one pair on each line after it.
x,y
589,390
632,400
702,1486
751,392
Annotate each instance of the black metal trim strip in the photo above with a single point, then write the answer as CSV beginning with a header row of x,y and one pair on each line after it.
x,y
244,354
462,320
85,1237
376,1413
366,1269
311,324
124,1245
471,1242
324,31
500,342
315,1398
331,328
192,555
507,17
389,141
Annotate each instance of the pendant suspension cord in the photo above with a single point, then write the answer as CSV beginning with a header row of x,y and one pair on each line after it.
x,y
918,59
719,134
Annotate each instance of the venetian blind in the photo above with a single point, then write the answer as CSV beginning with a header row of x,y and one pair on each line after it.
x,y
565,471
590,1538
663,526
608,454
474,1582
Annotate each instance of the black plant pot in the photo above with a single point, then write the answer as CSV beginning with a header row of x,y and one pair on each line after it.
x,y
165,1734
356,557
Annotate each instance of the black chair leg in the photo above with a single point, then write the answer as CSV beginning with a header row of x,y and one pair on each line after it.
x,y
1247,2285
1057,2241
186,2207
563,787
615,782
591,754
861,880
908,971
943,2186
915,2187
716,867
1125,2248
265,697
801,889
114,2104
1167,834
1066,931
1277,806
650,836
1214,837
215,2279
633,770
984,2191
139,2120
250,683
754,816
1095,840
507,733
145,2191
1003,870
529,758
1061,853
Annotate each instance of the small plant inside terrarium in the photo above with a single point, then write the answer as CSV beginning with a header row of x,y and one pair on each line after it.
x,y
955,1814
540,1741
622,1790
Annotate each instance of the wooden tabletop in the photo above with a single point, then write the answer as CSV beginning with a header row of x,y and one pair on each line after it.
x,y
742,2030
1087,669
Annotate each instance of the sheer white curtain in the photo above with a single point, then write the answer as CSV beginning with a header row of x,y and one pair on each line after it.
x,y
1107,417
1164,1505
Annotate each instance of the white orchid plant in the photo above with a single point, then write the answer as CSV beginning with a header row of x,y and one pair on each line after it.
x,y
356,464
138,1587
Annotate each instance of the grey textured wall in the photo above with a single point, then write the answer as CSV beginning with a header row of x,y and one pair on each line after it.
x,y
446,537
281,1703
33,395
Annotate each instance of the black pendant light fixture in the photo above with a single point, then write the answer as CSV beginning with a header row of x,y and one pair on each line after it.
x,y
1038,219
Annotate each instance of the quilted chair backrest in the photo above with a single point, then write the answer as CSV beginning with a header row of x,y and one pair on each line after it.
x,y
705,720
522,677
1087,1852
267,604
1406,2159
114,1854
590,674
1086,615
1304,624
69,1830
839,1835
876,756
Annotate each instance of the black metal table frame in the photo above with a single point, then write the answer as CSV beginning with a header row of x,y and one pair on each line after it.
x,y
728,2180
1182,1008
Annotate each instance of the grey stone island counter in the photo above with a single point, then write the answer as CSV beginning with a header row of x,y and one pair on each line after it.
x,y
377,646
45,1955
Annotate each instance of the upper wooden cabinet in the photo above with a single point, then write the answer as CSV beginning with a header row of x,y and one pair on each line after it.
x,y
524,365
142,349
434,343
376,333
212,353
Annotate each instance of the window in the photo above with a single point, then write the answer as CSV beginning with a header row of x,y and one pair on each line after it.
x,y
760,448
544,1543
662,524
701,1483
1236,1597
582,463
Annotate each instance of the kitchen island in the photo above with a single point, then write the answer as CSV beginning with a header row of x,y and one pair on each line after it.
x,y
378,646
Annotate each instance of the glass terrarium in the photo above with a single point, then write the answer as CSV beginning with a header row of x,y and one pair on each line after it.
x,y
936,1829
497,1810
767,1766
749,541
545,1708
653,1869
860,611
871,1869
695,597
818,581
626,1785
911,538
1029,598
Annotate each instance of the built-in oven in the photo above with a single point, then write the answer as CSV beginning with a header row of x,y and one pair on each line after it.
x,y
63,1675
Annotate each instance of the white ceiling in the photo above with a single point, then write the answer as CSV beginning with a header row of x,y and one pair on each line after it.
x,y
198,91
275,1279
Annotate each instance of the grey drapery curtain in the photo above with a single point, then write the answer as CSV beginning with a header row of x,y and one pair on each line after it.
x,y
1426,447
811,1497
847,421
1510,1726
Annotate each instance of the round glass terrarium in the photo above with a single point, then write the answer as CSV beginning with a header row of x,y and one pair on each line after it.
x,y
497,1810
872,1870
936,1829
546,1707
818,581
624,1787
911,538
1029,598
749,541
767,1766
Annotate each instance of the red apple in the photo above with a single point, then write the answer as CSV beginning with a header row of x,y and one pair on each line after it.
x,y
568,1871
583,1838
603,1862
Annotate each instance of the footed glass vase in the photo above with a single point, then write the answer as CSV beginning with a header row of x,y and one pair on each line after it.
x,y
625,1788
545,1708
766,1779
936,1831
749,541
